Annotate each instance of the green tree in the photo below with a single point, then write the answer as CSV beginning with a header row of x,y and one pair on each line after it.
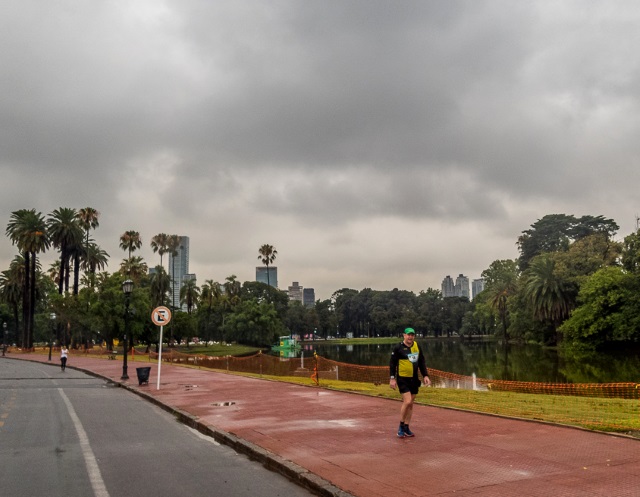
x,y
189,294
608,311
159,286
160,244
253,323
66,234
27,230
547,293
631,253
130,241
88,218
135,268
501,279
267,256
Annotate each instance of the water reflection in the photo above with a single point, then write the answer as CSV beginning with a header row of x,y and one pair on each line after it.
x,y
493,360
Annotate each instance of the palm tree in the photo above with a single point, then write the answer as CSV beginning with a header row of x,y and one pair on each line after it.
x,y
95,259
499,293
267,256
160,244
11,284
88,218
159,286
66,235
173,244
130,241
210,293
547,292
135,268
27,230
189,294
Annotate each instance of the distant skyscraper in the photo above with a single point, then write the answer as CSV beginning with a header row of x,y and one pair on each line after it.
x,y
309,297
295,292
178,268
462,286
261,275
448,287
476,287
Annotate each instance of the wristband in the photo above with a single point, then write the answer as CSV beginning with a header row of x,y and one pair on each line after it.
x,y
392,378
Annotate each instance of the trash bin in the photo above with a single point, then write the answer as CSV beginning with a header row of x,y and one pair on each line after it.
x,y
143,375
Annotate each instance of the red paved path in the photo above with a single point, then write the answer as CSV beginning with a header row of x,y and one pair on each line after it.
x,y
349,440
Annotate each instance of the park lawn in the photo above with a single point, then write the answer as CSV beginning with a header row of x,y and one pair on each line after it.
x,y
218,350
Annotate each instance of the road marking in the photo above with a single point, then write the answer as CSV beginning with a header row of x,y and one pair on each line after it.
x,y
99,488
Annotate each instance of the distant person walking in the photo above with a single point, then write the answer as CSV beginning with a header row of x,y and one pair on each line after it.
x,y
64,353
406,360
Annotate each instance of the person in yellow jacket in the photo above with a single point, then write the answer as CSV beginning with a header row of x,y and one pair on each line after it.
x,y
406,360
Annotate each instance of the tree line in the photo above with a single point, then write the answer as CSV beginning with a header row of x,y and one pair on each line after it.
x,y
572,284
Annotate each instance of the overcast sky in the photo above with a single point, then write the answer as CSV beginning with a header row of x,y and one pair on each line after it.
x,y
373,144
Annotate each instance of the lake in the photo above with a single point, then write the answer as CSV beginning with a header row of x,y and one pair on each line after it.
x,y
492,360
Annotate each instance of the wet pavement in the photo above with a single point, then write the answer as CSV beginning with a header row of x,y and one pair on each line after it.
x,y
341,444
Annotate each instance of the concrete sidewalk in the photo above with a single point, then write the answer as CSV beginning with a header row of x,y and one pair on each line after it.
x,y
342,443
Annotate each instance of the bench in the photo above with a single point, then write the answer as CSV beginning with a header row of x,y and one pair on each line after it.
x,y
112,356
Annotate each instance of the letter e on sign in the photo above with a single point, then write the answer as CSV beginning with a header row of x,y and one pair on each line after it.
x,y
161,316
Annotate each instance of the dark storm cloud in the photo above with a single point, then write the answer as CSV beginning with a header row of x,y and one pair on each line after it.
x,y
323,128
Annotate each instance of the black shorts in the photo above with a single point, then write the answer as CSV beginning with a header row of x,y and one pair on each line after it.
x,y
408,384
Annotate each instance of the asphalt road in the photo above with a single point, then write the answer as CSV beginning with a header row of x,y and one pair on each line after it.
x,y
73,435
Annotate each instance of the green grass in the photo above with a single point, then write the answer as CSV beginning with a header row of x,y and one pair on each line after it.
x,y
218,350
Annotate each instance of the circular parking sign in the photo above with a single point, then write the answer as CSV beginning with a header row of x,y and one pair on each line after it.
x,y
161,315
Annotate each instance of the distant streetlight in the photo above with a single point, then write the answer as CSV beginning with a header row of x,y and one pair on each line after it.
x,y
52,316
4,339
127,288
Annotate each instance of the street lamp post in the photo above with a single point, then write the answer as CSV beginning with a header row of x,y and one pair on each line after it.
x,y
52,316
127,288
4,338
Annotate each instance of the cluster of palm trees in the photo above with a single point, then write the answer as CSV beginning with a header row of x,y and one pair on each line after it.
x,y
65,229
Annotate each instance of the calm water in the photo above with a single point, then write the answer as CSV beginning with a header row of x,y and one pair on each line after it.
x,y
492,360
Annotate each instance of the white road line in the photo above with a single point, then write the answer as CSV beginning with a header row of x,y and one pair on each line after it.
x,y
99,488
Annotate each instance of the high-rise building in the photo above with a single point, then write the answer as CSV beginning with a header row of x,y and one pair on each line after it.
x,y
308,297
448,287
178,268
462,286
261,275
477,286
295,292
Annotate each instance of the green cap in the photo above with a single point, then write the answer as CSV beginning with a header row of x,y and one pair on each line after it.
x,y
409,331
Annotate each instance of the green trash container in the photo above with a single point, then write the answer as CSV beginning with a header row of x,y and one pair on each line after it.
x,y
143,375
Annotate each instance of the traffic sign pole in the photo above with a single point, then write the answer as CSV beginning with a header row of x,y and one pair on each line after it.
x,y
159,359
160,316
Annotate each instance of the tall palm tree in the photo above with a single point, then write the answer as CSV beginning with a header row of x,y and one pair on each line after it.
x,y
160,244
159,286
210,292
232,289
27,230
189,293
66,235
173,244
267,256
499,293
547,292
95,259
88,218
130,241
11,284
